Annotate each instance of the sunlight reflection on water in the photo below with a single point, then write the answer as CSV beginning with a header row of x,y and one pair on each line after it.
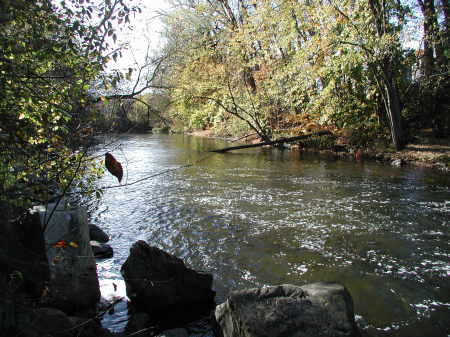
x,y
268,217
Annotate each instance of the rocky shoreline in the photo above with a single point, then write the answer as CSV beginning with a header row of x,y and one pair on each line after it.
x,y
164,294
433,156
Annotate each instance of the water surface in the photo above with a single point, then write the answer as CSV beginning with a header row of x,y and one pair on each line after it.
x,y
266,217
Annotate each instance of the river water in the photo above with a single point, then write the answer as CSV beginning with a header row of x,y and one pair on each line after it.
x,y
267,217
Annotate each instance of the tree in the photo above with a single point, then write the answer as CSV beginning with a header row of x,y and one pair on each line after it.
x,y
49,56
333,64
436,50
387,66
430,29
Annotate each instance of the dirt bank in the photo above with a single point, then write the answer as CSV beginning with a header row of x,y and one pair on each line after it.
x,y
425,151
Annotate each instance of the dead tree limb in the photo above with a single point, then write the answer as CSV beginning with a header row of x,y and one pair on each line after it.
x,y
274,142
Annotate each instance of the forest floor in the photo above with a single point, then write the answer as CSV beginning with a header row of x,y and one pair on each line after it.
x,y
425,155
424,151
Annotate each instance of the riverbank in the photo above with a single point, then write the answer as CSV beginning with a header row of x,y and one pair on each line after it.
x,y
425,151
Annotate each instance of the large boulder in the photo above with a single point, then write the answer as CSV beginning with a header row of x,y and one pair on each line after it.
x,y
45,322
158,282
74,286
24,271
313,310
53,322
23,263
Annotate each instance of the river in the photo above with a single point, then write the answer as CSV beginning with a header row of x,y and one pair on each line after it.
x,y
266,217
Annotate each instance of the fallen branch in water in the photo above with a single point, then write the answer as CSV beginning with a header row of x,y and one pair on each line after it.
x,y
275,142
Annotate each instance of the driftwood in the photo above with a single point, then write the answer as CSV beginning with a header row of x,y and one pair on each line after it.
x,y
275,142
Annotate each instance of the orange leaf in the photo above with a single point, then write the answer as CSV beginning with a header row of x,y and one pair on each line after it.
x,y
113,166
60,244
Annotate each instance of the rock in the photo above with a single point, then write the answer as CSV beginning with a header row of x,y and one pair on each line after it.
x,y
87,327
53,322
397,162
139,321
158,282
74,286
97,234
178,332
47,322
22,253
314,310
101,250
24,270
379,156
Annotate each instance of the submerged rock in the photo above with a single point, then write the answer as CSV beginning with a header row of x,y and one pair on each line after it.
x,y
313,310
97,234
101,250
158,282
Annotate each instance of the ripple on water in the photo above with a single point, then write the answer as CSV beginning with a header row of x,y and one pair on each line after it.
x,y
253,220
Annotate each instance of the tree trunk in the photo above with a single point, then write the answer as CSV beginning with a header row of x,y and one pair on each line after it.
x,y
394,112
445,5
430,32
385,73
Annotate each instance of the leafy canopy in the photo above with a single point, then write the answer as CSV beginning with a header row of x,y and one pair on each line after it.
x,y
49,54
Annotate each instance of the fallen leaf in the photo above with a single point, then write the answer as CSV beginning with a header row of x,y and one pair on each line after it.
x,y
113,166
60,244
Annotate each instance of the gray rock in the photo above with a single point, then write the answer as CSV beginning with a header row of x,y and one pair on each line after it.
x,y
97,234
72,266
157,282
314,310
101,250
